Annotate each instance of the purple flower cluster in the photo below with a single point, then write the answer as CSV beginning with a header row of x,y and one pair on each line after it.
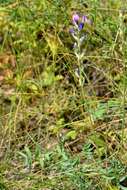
x,y
79,35
79,22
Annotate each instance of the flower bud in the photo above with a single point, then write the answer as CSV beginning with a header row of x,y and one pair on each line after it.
x,y
75,18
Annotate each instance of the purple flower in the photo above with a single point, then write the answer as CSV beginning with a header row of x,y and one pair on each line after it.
x,y
86,20
71,31
80,26
75,18
78,22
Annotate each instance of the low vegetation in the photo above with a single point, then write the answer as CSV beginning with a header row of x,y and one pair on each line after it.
x,y
63,118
